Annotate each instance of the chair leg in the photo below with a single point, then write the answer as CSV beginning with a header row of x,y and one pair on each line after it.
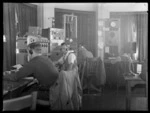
x,y
117,89
88,86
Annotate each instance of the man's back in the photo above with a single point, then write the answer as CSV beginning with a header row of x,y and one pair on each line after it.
x,y
83,54
44,70
40,67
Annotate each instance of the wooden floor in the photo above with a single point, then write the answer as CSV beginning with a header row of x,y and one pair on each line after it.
x,y
109,100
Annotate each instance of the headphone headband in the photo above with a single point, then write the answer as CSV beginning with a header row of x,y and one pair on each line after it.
x,y
30,51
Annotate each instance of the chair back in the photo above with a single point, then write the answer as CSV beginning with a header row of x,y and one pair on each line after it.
x,y
92,78
20,103
82,71
91,66
65,94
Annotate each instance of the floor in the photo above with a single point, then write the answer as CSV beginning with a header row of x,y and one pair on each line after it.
x,y
109,99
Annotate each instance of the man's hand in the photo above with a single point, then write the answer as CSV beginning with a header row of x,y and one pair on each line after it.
x,y
6,73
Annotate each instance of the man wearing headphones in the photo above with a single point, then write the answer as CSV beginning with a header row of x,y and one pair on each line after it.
x,y
68,60
39,66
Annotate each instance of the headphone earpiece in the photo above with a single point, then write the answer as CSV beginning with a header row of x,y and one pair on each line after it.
x,y
30,51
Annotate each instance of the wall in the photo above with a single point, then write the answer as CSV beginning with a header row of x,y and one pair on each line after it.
x,y
126,7
48,13
77,6
35,3
104,10
39,13
48,9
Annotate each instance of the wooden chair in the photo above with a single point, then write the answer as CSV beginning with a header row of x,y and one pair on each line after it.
x,y
82,69
89,71
20,103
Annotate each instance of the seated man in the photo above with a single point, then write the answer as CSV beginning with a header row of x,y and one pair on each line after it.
x,y
41,67
68,60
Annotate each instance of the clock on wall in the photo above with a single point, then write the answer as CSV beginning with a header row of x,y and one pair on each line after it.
x,y
113,24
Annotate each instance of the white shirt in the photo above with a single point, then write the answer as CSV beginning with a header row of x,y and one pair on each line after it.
x,y
71,57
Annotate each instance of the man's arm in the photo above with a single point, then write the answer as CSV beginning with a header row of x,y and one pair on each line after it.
x,y
60,61
23,72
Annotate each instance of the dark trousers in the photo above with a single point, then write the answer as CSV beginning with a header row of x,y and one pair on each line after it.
x,y
43,91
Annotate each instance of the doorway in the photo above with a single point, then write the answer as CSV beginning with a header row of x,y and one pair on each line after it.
x,y
86,26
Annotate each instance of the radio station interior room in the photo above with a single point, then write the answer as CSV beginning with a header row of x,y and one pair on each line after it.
x,y
75,56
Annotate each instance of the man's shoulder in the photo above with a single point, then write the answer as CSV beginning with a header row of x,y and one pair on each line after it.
x,y
37,58
40,58
72,53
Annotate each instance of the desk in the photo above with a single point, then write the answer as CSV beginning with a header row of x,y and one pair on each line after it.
x,y
114,73
11,86
131,82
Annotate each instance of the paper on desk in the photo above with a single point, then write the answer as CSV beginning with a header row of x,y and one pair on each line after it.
x,y
18,66
139,68
29,78
136,75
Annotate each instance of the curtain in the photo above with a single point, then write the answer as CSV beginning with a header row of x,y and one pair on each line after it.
x,y
10,34
142,36
27,16
86,32
17,18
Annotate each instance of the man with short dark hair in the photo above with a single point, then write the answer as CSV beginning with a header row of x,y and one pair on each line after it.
x,y
39,66
68,60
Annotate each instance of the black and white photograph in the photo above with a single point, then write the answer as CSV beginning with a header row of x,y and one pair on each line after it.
x,y
82,56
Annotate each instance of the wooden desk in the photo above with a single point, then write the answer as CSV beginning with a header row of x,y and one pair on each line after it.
x,y
113,73
131,82
11,86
